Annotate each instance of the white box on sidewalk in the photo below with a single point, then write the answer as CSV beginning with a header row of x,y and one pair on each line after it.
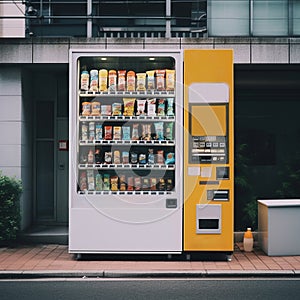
x,y
279,226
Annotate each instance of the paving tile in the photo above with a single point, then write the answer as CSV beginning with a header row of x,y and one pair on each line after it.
x,y
56,257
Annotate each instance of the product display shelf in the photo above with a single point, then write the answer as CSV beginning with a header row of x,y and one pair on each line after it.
x,y
128,142
127,118
125,192
144,94
126,166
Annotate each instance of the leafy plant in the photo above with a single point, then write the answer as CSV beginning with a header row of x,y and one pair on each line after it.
x,y
10,192
245,213
290,177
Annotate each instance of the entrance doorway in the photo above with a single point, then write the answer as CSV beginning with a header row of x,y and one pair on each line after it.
x,y
51,162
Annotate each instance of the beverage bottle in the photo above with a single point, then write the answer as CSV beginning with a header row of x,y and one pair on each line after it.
x,y
248,240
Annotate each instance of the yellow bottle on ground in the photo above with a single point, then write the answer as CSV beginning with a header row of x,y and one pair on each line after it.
x,y
248,240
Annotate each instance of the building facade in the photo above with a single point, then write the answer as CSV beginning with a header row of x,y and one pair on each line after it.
x,y
34,81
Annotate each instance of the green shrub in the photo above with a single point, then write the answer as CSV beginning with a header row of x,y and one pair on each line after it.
x,y
10,192
289,175
245,206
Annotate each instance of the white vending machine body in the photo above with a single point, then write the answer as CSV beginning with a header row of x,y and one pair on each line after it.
x,y
125,189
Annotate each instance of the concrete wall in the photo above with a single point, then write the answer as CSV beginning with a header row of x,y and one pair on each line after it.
x,y
246,50
15,143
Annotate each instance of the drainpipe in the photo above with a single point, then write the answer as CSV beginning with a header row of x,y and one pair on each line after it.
x,y
89,23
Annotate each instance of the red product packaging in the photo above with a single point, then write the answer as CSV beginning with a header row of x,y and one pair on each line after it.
x,y
108,132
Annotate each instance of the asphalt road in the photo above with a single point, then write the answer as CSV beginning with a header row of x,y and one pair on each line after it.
x,y
205,288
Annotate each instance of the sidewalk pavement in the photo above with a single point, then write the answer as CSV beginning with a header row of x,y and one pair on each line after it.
x,y
53,260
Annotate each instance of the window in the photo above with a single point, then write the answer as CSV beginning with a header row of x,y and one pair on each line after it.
x,y
270,17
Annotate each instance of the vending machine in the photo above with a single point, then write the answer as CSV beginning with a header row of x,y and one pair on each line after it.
x,y
126,142
151,151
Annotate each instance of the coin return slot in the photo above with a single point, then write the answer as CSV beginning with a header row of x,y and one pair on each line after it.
x,y
218,195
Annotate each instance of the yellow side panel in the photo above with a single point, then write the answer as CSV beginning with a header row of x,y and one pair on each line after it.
x,y
208,66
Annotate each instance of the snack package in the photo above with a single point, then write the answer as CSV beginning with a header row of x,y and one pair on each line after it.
x,y
130,184
106,182
170,80
151,107
146,132
90,157
161,184
159,130
94,81
153,183
133,158
137,183
125,157
151,159
145,185
103,80
141,81
99,182
112,80
142,158
160,157
84,81
106,110
121,80
108,157
97,156
150,80
169,185
117,133
130,81
170,158
141,104
83,158
128,106
108,132
117,109
91,180
126,133
161,107
135,132
84,131
114,183
170,109
117,157
122,181
86,109
160,80
169,131
95,108
99,132
91,131
83,181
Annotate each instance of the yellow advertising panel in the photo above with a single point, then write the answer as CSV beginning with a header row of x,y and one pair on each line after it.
x,y
208,150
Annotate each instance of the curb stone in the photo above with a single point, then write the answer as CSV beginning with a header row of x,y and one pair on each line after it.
x,y
147,274
154,274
